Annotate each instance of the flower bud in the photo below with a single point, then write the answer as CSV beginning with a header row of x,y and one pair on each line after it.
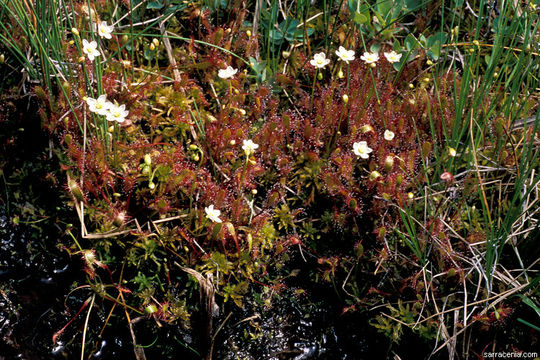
x,y
152,47
320,76
345,98
340,74
366,128
452,152
150,309
285,54
447,177
388,163
66,86
119,219
373,65
248,33
68,139
75,31
374,175
151,185
75,190
155,42
193,147
147,159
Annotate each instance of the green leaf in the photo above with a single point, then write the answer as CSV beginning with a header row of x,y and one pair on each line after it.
x,y
298,35
215,230
411,43
360,12
434,45
360,18
375,47
413,4
384,7
149,55
528,324
530,303
155,5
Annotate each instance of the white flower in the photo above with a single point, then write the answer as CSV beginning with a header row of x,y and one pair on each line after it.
x,y
361,149
319,60
388,135
104,30
227,73
90,49
212,214
99,106
345,55
370,58
249,147
117,113
392,56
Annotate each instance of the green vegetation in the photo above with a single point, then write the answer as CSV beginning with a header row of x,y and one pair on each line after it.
x,y
215,150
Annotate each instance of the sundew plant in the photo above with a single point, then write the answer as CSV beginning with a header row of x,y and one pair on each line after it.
x,y
212,151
